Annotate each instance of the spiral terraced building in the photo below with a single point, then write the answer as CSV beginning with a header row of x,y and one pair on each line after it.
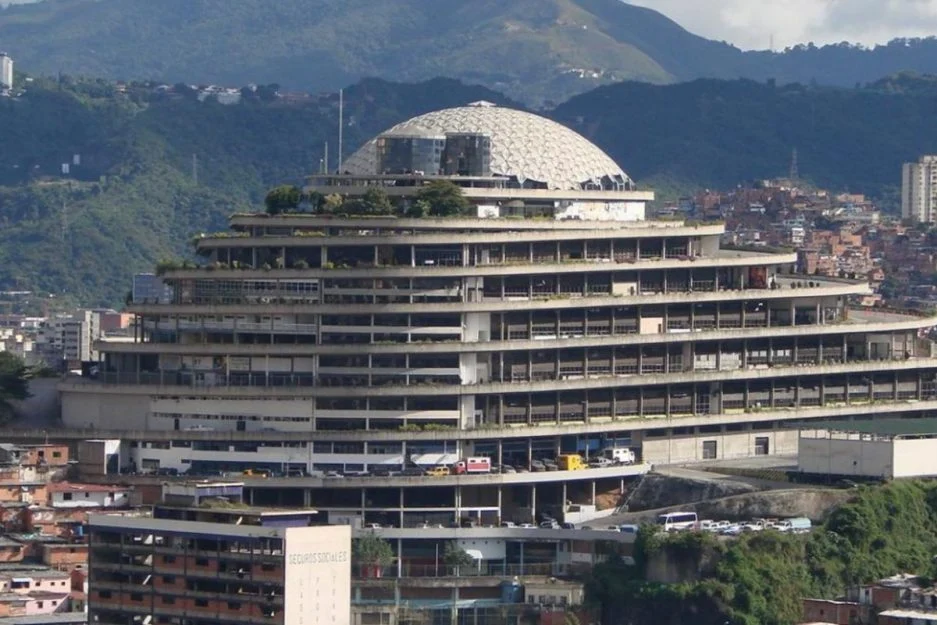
x,y
558,321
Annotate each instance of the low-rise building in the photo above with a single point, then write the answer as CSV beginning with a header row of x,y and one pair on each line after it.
x,y
874,448
69,495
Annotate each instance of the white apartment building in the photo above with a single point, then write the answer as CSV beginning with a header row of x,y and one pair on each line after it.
x,y
70,339
919,190
6,71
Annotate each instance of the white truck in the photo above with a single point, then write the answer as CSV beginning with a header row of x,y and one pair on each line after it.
x,y
619,455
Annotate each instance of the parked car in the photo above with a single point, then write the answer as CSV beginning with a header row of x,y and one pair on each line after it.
x,y
519,468
412,472
506,468
568,526
508,524
527,526
537,466
715,527
586,527
372,526
613,528
628,529
600,463
550,525
550,465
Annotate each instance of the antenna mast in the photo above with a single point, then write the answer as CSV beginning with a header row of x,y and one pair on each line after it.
x,y
341,126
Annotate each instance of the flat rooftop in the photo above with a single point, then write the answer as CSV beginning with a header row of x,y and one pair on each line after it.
x,y
46,619
880,427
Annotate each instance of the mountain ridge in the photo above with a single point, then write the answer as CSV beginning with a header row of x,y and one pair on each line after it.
x,y
537,51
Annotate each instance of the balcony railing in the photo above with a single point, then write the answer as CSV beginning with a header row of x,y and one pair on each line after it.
x,y
442,570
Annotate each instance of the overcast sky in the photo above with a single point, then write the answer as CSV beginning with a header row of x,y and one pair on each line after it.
x,y
750,24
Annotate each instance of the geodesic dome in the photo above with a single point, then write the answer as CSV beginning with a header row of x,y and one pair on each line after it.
x,y
524,146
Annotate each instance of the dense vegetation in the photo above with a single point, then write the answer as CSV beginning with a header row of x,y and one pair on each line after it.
x,y
761,578
14,383
132,198
535,50
721,133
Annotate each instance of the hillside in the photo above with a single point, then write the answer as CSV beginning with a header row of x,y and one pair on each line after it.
x,y
132,199
534,50
720,133
762,577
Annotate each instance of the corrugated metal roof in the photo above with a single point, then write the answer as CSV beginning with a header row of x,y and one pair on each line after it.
x,y
913,614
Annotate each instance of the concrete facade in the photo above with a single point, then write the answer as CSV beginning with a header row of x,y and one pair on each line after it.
x,y
343,356
866,455
919,190
217,572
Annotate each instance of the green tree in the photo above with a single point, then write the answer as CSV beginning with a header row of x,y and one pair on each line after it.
x,y
314,200
283,199
456,557
14,383
444,199
375,202
371,553
417,209
333,203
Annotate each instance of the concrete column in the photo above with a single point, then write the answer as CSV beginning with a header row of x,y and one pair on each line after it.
x,y
307,498
399,559
458,502
500,509
402,507
533,503
592,499
454,616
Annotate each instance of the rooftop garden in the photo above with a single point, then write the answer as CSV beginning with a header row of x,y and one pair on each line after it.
x,y
439,198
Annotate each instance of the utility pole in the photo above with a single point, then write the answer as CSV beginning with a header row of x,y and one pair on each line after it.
x,y
341,126
64,221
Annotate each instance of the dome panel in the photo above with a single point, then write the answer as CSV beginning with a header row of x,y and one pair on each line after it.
x,y
523,145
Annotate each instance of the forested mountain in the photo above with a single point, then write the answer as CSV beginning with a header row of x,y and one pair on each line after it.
x,y
132,199
719,133
533,50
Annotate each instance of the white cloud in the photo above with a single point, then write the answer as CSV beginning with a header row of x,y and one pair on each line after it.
x,y
750,24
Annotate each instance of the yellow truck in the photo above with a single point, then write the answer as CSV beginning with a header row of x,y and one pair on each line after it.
x,y
438,471
570,462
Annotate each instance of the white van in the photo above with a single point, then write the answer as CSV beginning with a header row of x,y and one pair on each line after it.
x,y
671,521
